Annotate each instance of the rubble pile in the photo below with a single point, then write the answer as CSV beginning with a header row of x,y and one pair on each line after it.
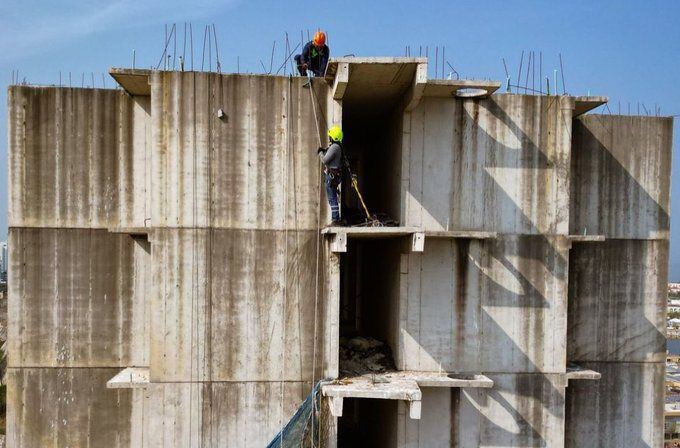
x,y
364,355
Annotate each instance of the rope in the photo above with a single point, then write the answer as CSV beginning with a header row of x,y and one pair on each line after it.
x,y
285,257
318,249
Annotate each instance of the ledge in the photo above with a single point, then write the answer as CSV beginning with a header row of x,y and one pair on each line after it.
x,y
406,390
460,88
462,234
576,372
134,231
130,378
340,235
586,238
399,385
134,81
583,104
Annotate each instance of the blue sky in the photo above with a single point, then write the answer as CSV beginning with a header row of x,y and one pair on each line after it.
x,y
623,49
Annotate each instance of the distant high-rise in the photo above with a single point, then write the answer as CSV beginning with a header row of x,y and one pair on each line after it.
x,y
3,257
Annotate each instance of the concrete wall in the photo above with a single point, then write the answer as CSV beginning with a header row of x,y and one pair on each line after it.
x,y
522,410
71,158
621,176
240,323
460,297
617,288
255,168
77,292
500,164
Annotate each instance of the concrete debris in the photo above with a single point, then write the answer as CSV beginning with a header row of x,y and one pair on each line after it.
x,y
364,355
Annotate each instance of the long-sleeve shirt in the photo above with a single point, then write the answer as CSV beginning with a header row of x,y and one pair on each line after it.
x,y
315,58
332,156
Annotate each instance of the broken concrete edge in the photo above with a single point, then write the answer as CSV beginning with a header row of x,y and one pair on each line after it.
x,y
130,378
576,372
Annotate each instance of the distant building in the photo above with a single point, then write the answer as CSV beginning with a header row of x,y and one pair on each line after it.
x,y
3,261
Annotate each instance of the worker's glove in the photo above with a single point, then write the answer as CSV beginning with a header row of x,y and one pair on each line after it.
x,y
320,150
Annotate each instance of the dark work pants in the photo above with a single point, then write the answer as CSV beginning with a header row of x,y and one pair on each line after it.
x,y
332,195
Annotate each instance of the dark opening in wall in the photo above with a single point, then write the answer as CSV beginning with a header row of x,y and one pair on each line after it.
x,y
373,136
369,305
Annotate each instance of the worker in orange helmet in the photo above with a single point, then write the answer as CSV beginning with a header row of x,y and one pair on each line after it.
x,y
314,56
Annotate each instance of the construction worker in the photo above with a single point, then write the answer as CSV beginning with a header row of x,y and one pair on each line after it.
x,y
331,158
314,56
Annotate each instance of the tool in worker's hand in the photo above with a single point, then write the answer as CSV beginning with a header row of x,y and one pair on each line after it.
x,y
309,80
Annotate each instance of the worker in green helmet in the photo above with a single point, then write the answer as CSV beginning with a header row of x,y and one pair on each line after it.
x,y
331,157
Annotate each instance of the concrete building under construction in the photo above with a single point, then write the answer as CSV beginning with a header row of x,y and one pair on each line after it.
x,y
172,281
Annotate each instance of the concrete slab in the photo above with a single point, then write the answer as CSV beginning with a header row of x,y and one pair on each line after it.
x,y
130,378
576,372
134,231
583,104
334,63
414,238
586,238
434,379
461,234
461,88
134,81
362,387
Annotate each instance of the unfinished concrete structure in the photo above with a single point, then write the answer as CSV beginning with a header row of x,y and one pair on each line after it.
x,y
168,239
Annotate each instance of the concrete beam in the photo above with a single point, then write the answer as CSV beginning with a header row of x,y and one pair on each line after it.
x,y
415,93
414,237
406,390
341,80
130,378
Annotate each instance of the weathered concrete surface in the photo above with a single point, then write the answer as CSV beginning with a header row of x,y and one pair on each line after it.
x,y
617,301
521,410
621,169
72,161
75,299
192,415
461,297
57,408
499,164
236,305
255,168
623,408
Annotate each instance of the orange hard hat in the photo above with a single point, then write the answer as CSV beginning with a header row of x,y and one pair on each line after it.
x,y
319,39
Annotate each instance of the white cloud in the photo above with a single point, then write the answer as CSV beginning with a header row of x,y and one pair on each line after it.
x,y
29,27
